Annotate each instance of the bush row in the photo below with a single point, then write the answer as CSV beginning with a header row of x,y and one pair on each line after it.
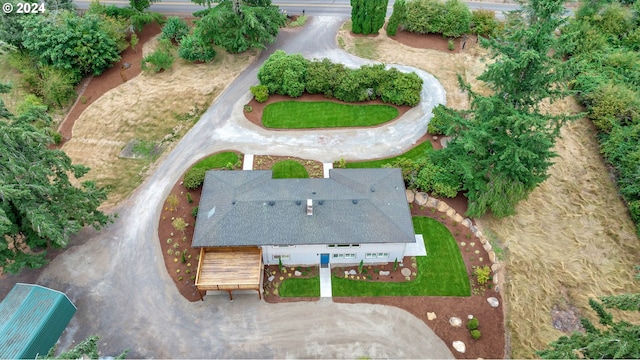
x,y
452,18
603,42
423,175
292,75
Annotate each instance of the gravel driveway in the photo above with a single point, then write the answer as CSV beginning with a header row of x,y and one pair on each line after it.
x,y
118,281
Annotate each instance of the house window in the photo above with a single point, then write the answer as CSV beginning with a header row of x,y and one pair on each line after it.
x,y
343,245
281,257
344,256
376,255
283,246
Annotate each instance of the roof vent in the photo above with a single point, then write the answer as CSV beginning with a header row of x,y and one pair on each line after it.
x,y
233,202
298,202
272,203
320,202
309,207
354,201
373,189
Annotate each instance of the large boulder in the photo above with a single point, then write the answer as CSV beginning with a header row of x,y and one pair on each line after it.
x,y
494,302
458,218
410,195
432,202
455,321
451,212
421,198
443,206
459,346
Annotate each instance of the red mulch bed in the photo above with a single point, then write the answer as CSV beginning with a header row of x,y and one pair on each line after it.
x,y
433,41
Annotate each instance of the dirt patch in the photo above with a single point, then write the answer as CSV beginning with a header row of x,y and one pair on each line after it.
x,y
158,108
90,89
571,240
266,162
257,109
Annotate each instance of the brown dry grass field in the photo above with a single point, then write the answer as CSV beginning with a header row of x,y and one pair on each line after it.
x,y
571,240
151,108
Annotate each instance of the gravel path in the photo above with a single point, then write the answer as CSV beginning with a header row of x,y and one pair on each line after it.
x,y
123,294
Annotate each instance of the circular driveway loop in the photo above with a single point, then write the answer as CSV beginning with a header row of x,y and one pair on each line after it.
x,y
118,281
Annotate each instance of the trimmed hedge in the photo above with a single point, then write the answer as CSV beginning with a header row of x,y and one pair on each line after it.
x,y
451,18
292,75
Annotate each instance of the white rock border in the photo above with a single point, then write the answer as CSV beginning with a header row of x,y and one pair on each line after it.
x,y
450,212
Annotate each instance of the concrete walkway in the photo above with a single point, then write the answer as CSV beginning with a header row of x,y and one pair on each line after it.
x,y
247,162
325,169
325,282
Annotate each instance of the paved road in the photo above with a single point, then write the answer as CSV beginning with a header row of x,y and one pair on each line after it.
x,y
123,293
311,7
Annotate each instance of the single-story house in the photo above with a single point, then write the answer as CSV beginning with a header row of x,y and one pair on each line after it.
x,y
32,318
353,215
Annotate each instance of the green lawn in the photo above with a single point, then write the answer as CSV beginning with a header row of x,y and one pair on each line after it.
x,y
289,169
296,287
441,273
324,114
217,161
415,153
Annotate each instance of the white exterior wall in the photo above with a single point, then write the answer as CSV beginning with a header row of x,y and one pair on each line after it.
x,y
310,254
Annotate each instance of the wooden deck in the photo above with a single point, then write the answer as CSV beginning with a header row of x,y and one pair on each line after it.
x,y
229,268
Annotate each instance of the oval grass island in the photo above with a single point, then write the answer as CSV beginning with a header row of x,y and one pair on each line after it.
x,y
324,114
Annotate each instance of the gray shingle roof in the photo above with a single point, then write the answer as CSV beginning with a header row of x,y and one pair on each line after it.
x,y
352,206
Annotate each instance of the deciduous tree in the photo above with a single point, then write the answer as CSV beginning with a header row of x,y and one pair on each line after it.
x,y
68,41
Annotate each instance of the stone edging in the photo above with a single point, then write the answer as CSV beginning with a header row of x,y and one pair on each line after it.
x,y
423,199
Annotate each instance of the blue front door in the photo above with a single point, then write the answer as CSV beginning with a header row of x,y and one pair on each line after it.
x,y
324,260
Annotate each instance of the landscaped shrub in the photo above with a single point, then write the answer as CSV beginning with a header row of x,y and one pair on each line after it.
x,y
482,274
452,19
473,324
194,211
194,48
484,23
159,60
424,16
260,92
475,334
284,74
323,77
175,29
457,19
194,178
401,89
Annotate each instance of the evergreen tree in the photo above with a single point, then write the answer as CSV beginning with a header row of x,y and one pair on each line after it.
x,y
367,16
356,11
503,146
524,74
39,207
397,17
